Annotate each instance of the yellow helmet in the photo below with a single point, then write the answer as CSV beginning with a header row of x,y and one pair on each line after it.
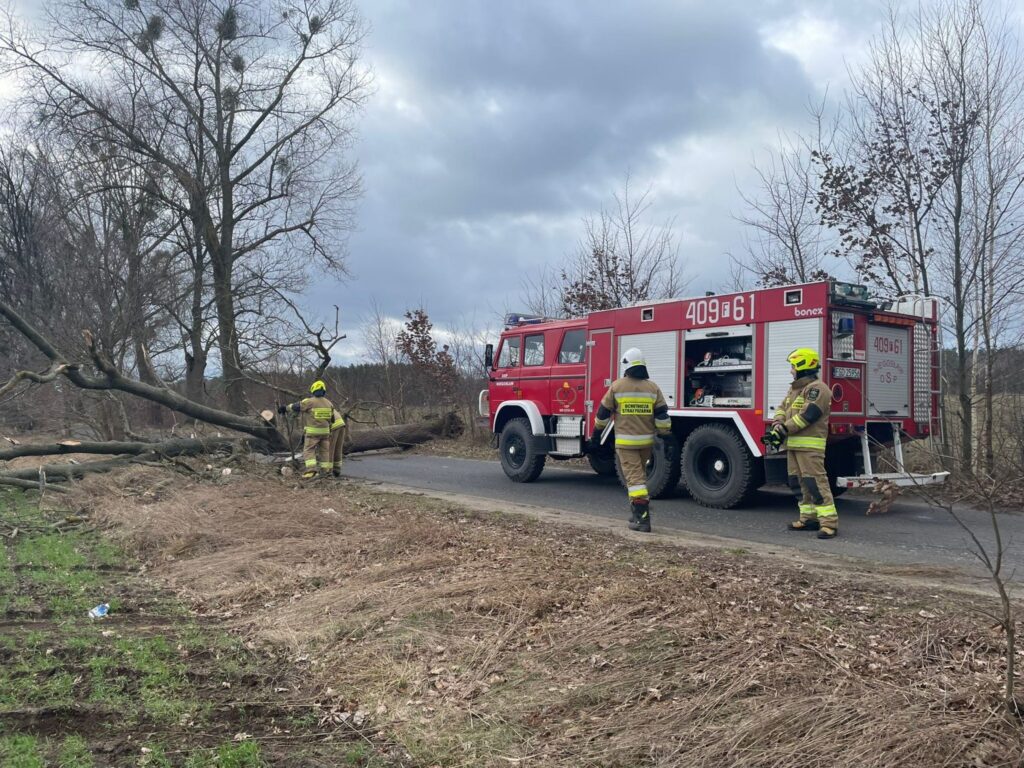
x,y
804,359
317,386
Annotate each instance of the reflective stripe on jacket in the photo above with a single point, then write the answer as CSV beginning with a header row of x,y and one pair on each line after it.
x,y
805,413
639,408
317,413
338,421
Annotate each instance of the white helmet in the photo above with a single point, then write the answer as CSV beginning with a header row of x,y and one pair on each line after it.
x,y
632,358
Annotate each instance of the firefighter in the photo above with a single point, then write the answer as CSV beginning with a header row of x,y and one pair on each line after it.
x,y
639,409
801,426
338,430
317,415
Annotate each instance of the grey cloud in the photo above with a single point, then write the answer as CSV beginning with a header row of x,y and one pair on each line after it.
x,y
516,118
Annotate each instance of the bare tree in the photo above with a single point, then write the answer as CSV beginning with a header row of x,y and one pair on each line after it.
x,y
380,338
785,242
247,106
621,259
923,186
541,291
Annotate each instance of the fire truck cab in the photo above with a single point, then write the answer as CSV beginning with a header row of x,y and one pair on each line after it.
x,y
721,362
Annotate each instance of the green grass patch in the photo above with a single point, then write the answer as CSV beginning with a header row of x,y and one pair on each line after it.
x,y
20,752
6,572
74,753
155,756
107,688
245,754
48,551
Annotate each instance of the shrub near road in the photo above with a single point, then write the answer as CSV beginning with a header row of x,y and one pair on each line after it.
x,y
463,639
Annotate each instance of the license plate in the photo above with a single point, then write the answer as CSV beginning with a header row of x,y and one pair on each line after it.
x,y
842,372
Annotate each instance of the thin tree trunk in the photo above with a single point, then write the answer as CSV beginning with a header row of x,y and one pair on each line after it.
x,y
227,337
195,373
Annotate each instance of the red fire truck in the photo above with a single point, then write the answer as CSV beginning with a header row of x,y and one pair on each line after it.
x,y
721,362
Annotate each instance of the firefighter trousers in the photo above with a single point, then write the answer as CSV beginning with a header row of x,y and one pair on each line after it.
x,y
338,447
809,483
634,468
316,453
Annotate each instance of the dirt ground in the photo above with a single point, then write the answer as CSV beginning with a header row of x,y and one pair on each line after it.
x,y
152,684
459,638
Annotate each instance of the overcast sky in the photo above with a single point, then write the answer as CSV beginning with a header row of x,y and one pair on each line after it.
x,y
495,127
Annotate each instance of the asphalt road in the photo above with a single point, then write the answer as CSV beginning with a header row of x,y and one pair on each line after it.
x,y
910,533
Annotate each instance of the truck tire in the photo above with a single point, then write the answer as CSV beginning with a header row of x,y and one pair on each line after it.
x,y
718,468
604,465
662,470
520,462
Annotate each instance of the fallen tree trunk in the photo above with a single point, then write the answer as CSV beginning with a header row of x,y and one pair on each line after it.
x,y
404,435
148,452
111,378
56,473
174,447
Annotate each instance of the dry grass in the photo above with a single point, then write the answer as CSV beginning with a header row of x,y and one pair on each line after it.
x,y
493,641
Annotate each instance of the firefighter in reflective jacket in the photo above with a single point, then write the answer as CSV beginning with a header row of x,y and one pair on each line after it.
x,y
640,409
801,426
338,430
317,415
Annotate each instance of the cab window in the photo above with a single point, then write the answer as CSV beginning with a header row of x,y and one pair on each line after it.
x,y
509,355
533,350
573,346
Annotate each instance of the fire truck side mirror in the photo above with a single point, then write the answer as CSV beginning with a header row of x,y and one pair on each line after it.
x,y
489,356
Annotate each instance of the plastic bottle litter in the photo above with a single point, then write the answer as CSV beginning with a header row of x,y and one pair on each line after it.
x,y
99,611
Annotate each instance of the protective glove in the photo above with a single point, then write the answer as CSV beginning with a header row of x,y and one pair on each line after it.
x,y
594,444
773,438
282,409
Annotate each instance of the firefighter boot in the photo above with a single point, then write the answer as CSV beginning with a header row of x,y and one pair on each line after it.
x,y
640,516
804,525
808,519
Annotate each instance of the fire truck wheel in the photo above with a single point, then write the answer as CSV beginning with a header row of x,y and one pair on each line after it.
x,y
718,469
662,469
520,462
603,465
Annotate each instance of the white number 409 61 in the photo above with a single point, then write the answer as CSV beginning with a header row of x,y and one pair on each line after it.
x,y
712,310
